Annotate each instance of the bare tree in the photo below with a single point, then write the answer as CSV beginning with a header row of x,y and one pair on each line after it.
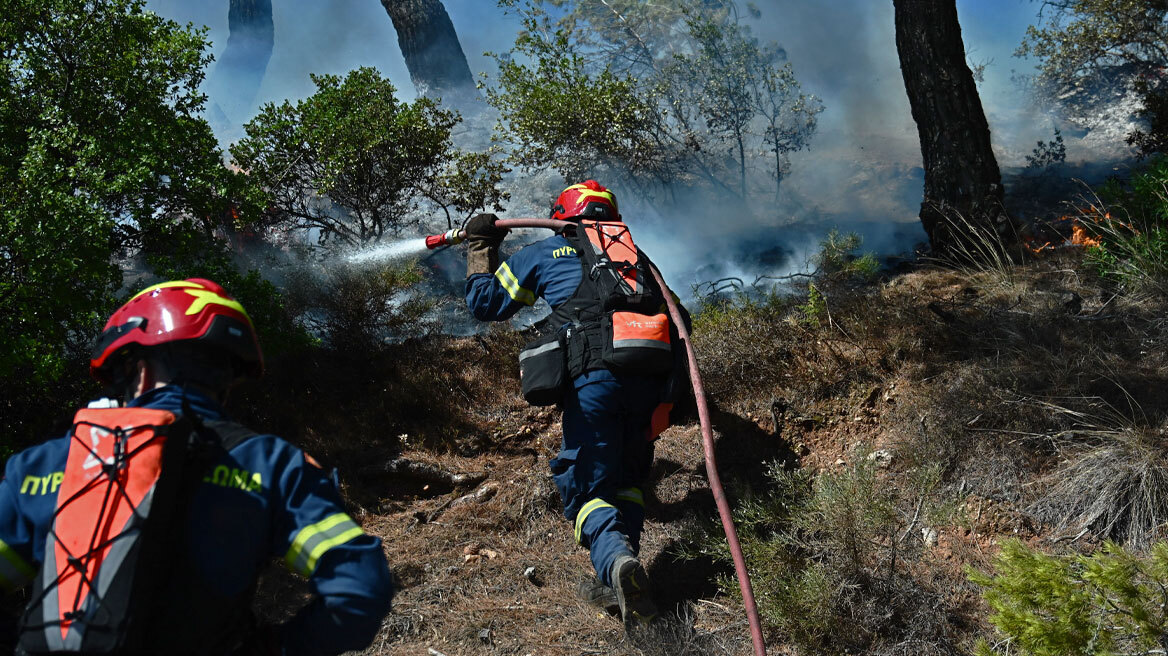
x,y
432,52
962,210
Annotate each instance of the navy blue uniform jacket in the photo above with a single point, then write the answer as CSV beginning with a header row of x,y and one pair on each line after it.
x,y
266,498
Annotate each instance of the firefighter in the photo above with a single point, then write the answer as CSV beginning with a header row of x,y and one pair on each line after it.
x,y
180,346
607,447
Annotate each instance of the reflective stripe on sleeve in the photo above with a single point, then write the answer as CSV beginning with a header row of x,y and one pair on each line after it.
x,y
314,540
511,284
631,494
586,510
14,571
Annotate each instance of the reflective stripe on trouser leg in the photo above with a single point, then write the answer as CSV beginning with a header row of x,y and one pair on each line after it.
x,y
601,529
587,510
631,503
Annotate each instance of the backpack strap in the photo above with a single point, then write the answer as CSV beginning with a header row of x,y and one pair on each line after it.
x,y
230,434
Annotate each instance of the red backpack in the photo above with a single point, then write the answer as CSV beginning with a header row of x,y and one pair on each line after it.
x,y
128,477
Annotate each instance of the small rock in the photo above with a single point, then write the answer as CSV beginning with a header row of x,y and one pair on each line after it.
x,y
929,537
471,558
490,554
529,574
472,548
485,636
841,461
882,457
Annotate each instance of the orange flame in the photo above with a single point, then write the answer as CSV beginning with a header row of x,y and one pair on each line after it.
x,y
1079,237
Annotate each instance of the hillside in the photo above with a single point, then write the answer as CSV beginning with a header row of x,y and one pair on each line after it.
x,y
941,410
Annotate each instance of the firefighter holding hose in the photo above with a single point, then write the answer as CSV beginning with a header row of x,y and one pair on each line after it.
x,y
606,356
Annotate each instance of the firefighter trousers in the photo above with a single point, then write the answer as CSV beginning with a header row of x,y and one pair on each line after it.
x,y
604,461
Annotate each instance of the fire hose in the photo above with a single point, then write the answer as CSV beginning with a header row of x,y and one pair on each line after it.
x,y
458,235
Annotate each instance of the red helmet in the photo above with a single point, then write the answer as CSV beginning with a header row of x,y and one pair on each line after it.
x,y
195,309
590,200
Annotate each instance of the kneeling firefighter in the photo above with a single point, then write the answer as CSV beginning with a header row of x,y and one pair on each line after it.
x,y
606,356
144,530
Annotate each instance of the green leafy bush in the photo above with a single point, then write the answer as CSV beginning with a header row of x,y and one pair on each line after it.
x,y
353,144
837,259
360,308
1130,223
96,154
91,154
1111,602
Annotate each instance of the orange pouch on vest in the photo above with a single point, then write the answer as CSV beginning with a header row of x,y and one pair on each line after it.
x,y
105,555
637,343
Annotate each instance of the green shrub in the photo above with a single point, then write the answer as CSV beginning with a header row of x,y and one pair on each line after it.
x,y
814,311
824,552
1130,222
837,259
1111,602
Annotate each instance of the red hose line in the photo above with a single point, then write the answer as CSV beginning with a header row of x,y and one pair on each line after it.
x,y
551,224
712,471
707,439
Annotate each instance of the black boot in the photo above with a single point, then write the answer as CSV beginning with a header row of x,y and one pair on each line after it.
x,y
595,592
633,595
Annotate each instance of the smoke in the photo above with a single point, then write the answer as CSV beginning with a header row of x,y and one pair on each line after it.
x,y
862,173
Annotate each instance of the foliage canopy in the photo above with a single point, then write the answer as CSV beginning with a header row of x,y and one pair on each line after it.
x,y
665,95
354,162
1086,45
1110,602
102,142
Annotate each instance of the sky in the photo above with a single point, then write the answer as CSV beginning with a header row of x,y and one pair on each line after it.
x,y
862,172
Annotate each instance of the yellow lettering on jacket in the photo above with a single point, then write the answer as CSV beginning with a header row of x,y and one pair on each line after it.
x,y
30,481
38,485
564,251
238,479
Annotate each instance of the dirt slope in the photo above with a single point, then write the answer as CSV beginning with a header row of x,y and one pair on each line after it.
x,y
937,370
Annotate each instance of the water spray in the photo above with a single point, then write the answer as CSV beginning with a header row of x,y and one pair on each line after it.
x,y
391,251
456,236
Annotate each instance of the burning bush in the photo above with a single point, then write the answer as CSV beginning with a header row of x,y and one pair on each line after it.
x,y
1128,224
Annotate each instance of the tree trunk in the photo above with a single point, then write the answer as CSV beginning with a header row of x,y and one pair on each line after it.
x,y
433,55
241,68
962,212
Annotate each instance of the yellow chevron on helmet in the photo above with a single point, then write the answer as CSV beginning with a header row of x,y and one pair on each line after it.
x,y
588,199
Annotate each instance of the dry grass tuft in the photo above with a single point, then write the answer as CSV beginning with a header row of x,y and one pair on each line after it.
x,y
1113,483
